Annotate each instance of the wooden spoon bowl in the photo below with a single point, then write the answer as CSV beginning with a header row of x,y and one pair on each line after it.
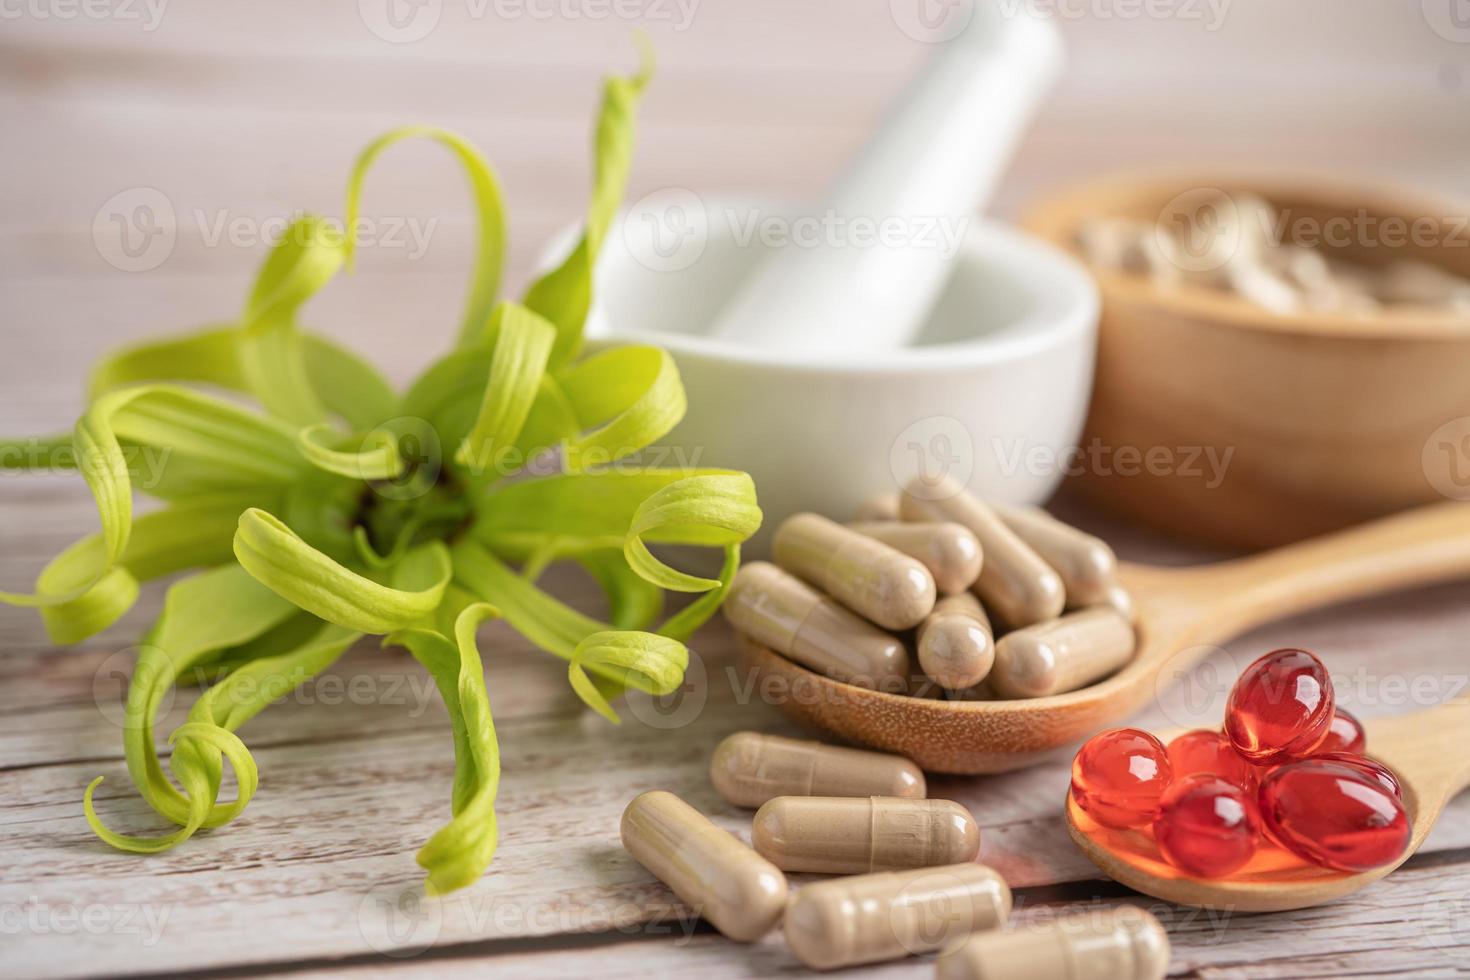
x,y
1180,612
1426,750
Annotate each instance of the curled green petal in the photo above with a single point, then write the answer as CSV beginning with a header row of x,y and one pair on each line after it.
x,y
166,428
645,661
564,294
632,394
557,628
699,509
187,535
278,558
489,208
459,852
522,343
210,356
377,459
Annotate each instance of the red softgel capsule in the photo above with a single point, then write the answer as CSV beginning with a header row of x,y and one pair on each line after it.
x,y
1333,815
1344,734
1207,825
1377,770
1204,751
1119,775
1280,708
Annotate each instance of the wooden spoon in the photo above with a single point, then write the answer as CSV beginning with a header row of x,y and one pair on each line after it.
x,y
1181,611
1426,750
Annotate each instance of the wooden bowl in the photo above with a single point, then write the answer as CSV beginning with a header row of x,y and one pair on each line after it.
x,y
1328,419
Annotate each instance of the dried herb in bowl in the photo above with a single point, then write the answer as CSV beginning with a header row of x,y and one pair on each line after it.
x,y
331,513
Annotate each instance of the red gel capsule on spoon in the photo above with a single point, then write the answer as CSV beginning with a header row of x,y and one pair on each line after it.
x,y
1333,815
1207,826
1119,775
1206,751
1280,708
1344,734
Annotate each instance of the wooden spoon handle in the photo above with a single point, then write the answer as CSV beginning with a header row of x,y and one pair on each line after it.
x,y
1428,544
1426,748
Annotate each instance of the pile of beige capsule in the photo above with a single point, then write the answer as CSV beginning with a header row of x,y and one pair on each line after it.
x,y
1003,602
910,884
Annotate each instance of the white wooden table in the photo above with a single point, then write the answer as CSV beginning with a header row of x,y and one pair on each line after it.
x,y
238,114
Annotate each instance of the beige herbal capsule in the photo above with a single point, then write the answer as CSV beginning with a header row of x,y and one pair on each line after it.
x,y
950,552
1125,943
880,508
1015,582
780,611
867,576
887,916
1086,564
956,644
750,769
1063,655
843,835
1119,601
738,891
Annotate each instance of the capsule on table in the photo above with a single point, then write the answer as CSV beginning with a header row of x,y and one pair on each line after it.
x,y
956,645
738,891
887,916
1125,943
880,508
950,552
749,769
867,576
1085,562
780,611
1015,582
844,836
1062,655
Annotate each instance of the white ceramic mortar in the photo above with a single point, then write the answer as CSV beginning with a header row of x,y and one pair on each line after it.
x,y
995,390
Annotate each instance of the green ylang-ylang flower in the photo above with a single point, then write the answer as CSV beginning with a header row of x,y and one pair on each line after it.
x,y
341,508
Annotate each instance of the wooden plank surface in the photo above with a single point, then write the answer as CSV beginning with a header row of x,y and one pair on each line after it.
x,y
242,114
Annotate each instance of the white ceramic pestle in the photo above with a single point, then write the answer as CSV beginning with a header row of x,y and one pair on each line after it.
x,y
931,165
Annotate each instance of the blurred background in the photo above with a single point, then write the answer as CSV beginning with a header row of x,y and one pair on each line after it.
x,y
195,128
